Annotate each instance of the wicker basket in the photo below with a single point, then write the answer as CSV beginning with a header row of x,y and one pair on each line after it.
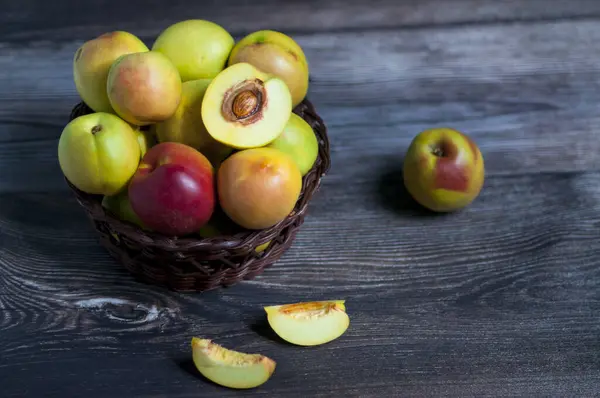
x,y
190,264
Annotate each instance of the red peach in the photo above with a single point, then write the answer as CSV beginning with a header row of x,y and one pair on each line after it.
x,y
443,169
173,189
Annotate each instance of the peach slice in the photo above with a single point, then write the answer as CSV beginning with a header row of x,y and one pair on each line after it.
x,y
309,323
230,368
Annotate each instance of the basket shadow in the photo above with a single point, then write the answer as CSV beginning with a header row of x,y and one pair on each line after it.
x,y
393,194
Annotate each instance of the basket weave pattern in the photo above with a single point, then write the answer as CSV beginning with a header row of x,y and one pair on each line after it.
x,y
190,264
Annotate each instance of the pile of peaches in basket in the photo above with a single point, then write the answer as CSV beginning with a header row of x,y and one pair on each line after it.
x,y
190,126
195,124
199,123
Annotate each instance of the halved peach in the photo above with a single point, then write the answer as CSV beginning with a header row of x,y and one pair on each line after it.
x,y
309,323
230,368
245,108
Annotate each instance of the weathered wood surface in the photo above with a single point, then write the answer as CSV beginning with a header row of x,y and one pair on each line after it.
x,y
501,299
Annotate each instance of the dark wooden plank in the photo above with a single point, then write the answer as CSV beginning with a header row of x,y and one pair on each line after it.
x,y
28,19
500,299
527,93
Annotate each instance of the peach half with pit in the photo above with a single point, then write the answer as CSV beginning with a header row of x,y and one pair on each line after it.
x,y
246,108
230,368
309,323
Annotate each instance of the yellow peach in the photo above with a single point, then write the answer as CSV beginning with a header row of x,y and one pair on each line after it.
x,y
258,187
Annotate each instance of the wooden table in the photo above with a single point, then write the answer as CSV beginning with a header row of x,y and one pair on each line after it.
x,y
500,299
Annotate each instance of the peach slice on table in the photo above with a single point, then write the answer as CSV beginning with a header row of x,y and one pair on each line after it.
x,y
230,368
309,323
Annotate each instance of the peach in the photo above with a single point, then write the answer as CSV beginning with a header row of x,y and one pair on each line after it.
x,y
145,138
98,153
246,108
258,187
144,88
92,61
278,54
172,191
120,207
299,141
443,169
197,47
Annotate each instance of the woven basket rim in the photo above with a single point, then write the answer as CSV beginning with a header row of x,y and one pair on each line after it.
x,y
246,239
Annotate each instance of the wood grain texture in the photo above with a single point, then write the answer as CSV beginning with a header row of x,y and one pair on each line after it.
x,y
28,20
501,299
478,303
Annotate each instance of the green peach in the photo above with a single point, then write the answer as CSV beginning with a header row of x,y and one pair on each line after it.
x,y
98,153
198,48
120,207
299,141
146,140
